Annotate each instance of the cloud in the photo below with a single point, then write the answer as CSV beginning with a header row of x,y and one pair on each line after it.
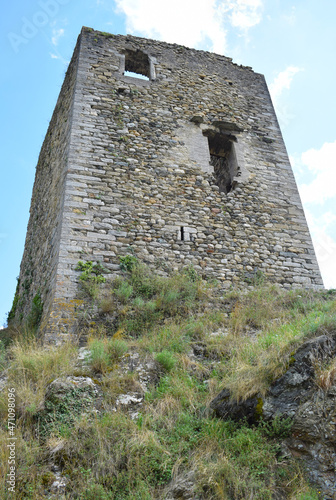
x,y
318,197
324,244
56,35
59,57
189,22
282,82
246,13
322,165
325,248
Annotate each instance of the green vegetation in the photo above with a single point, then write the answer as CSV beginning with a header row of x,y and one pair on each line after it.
x,y
35,315
91,277
11,314
91,272
199,342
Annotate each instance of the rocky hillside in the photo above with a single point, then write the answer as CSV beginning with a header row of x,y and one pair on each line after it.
x,y
173,391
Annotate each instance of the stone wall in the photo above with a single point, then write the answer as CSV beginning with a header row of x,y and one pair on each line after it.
x,y
139,180
40,259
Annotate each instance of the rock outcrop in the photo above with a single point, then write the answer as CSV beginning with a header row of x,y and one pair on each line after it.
x,y
306,393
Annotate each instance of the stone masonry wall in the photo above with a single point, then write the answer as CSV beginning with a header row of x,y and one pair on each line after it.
x,y
40,258
138,171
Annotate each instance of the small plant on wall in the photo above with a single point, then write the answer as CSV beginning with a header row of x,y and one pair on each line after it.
x,y
91,272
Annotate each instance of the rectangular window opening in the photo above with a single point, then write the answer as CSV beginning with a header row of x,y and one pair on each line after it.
x,y
137,64
223,159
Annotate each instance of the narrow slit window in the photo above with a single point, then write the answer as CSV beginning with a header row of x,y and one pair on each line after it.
x,y
137,64
182,233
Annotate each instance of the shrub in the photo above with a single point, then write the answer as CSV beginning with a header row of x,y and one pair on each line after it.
x,y
128,262
91,271
104,353
166,360
279,427
123,292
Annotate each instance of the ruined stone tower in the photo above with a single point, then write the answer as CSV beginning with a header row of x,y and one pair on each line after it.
x,y
184,167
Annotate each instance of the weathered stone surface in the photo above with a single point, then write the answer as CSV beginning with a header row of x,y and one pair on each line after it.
x,y
147,374
298,384
85,388
182,488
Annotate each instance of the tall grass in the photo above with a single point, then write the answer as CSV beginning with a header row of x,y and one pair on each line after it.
x,y
198,345
33,367
256,362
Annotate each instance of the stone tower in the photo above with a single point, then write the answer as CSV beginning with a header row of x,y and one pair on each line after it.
x,y
180,163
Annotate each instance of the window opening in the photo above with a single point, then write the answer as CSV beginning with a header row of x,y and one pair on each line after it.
x,y
182,233
137,64
223,159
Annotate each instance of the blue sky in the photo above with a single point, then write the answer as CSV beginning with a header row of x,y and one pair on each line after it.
x,y
293,43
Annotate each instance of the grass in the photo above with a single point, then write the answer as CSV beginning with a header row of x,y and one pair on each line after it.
x,y
32,367
199,344
256,362
105,353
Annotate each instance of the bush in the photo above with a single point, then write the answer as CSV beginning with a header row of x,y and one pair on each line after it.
x,y
166,360
104,353
91,271
151,299
123,291
128,262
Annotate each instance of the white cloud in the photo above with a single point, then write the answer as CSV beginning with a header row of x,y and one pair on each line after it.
x,y
324,244
59,57
322,165
281,83
246,13
325,248
319,200
189,22
56,35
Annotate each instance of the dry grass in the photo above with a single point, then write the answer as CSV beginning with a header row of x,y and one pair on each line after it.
x,y
254,363
33,367
325,376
